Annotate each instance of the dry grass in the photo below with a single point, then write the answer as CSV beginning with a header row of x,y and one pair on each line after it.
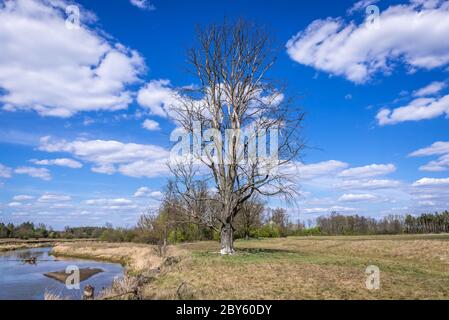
x,y
124,288
52,296
136,257
412,267
17,244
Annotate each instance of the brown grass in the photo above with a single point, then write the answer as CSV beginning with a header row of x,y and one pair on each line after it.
x,y
18,244
412,267
53,296
137,257
314,268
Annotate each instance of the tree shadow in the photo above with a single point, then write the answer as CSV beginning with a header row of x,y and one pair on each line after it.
x,y
255,251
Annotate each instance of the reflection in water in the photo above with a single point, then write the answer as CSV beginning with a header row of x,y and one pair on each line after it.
x,y
20,280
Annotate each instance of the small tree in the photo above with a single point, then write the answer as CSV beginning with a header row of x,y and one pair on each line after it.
x,y
250,217
279,218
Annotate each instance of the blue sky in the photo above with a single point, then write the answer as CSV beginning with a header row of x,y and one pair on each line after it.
x,y
74,101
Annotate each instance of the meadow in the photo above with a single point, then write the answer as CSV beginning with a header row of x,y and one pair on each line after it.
x,y
411,267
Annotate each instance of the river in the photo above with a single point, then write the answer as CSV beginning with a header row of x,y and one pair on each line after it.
x,y
23,281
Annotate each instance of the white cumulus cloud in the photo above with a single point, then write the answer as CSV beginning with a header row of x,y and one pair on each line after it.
x,y
110,156
371,170
417,109
316,170
350,197
414,34
440,147
22,197
41,173
151,125
368,184
62,71
429,182
430,89
62,162
5,172
51,198
143,4
158,97
145,192
437,148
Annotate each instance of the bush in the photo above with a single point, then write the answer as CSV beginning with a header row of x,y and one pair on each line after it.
x,y
266,231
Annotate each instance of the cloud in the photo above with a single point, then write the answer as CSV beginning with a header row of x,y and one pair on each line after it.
x,y
14,204
41,173
431,89
372,170
156,194
417,109
328,209
58,210
143,4
108,157
67,70
430,190
157,96
431,182
414,34
52,198
151,125
349,197
442,164
361,5
315,170
117,202
5,172
145,192
62,162
112,204
368,184
144,168
22,197
437,148
142,192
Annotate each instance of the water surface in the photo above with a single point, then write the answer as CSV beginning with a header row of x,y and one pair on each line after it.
x,y
22,281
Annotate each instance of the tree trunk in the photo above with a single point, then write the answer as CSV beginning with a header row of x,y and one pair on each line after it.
x,y
227,239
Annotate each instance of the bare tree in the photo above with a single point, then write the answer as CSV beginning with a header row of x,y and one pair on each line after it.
x,y
280,218
232,114
250,216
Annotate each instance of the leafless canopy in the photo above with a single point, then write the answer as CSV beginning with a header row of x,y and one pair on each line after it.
x,y
232,63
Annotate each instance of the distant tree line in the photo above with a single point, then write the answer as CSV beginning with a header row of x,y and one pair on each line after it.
x,y
337,224
168,225
29,230
256,221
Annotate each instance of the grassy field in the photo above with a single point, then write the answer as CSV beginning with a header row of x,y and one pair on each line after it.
x,y
412,267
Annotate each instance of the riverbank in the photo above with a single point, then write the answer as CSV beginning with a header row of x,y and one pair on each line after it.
x,y
18,244
411,267
143,264
137,258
